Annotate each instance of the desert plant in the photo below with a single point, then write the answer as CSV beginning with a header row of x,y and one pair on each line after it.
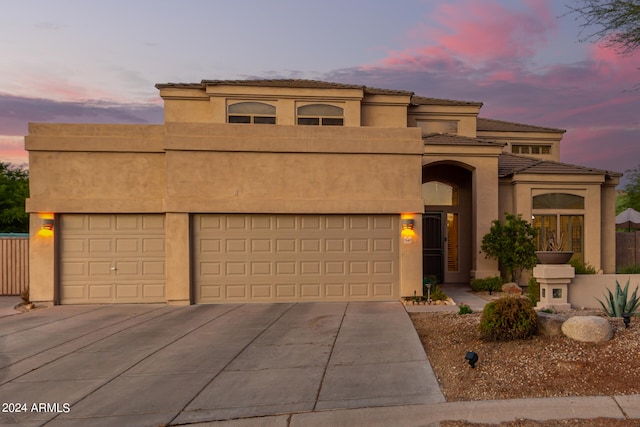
x,y
24,295
533,291
619,302
508,318
581,268
464,309
490,284
438,294
512,244
554,242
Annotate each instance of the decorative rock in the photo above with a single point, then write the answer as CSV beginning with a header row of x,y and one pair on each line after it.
x,y
512,288
588,329
550,324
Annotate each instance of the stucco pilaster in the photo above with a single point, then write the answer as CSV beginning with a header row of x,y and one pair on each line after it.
x,y
178,260
411,260
485,210
608,229
41,262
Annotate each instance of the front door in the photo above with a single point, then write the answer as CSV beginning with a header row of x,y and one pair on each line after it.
x,y
433,245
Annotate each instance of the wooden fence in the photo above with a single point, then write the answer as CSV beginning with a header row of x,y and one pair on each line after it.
x,y
14,264
627,249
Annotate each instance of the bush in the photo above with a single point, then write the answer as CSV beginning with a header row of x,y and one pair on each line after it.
x,y
630,269
487,284
582,268
508,318
464,309
438,294
533,291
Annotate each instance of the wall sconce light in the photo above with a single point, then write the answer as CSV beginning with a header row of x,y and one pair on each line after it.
x,y
47,224
626,317
407,224
472,358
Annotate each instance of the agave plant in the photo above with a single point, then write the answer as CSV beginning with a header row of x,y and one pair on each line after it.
x,y
619,302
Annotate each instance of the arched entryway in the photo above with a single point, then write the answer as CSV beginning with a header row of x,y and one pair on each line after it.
x,y
446,223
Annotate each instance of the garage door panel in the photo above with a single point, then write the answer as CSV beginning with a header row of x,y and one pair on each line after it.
x,y
240,258
112,258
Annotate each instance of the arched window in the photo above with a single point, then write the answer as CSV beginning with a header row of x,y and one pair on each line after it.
x,y
320,115
252,112
438,193
558,201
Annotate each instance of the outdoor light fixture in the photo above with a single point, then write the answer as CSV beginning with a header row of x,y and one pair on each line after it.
x,y
626,317
472,358
407,224
47,224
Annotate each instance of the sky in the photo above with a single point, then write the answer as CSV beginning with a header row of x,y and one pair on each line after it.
x,y
82,61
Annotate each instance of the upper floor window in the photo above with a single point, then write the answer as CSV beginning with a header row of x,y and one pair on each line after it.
x,y
438,126
252,112
320,115
531,149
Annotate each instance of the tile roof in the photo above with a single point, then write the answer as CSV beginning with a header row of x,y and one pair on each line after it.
x,y
448,139
483,124
421,100
290,83
509,164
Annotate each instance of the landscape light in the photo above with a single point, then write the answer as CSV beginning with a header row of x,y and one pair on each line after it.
x,y
627,319
472,358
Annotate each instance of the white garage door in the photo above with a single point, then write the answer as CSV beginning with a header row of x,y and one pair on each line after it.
x,y
112,258
255,258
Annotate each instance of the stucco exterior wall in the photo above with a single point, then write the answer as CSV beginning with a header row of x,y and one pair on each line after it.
x,y
585,289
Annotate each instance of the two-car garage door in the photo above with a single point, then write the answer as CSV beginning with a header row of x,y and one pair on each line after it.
x,y
294,257
235,258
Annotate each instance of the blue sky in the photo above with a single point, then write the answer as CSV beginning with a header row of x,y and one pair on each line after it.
x,y
89,61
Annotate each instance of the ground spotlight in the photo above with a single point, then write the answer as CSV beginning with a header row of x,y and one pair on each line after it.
x,y
472,358
626,317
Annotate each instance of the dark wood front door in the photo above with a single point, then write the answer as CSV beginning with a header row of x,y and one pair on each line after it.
x,y
433,245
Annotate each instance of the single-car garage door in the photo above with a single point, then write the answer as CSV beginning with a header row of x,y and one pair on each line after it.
x,y
251,258
112,258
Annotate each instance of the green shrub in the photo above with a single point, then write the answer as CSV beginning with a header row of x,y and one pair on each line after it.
x,y
582,268
533,291
620,302
508,318
438,294
630,269
464,309
490,284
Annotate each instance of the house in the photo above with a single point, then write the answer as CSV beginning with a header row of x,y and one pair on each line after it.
x,y
295,190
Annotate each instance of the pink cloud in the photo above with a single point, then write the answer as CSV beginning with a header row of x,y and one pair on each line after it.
x,y
479,31
12,150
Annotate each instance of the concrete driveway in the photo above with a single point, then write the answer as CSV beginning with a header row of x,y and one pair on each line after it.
x,y
149,365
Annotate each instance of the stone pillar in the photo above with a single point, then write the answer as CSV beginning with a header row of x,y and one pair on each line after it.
x,y
554,282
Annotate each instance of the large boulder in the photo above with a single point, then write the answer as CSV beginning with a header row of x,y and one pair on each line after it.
x,y
550,324
588,329
512,288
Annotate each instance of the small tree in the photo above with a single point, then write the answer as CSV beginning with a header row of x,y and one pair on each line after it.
x,y
14,189
512,244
